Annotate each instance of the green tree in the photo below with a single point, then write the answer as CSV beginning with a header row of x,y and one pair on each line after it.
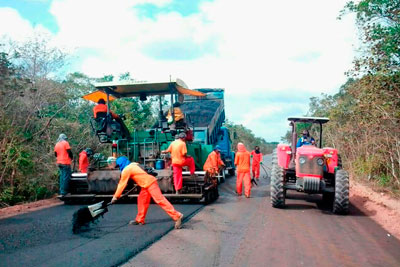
x,y
379,25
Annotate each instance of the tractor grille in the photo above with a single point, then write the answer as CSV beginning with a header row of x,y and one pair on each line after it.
x,y
310,166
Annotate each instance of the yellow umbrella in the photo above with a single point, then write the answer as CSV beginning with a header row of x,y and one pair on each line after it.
x,y
95,96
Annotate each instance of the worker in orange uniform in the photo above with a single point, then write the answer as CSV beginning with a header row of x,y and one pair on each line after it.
x,y
84,160
101,107
149,189
212,165
62,151
178,114
242,162
180,159
257,160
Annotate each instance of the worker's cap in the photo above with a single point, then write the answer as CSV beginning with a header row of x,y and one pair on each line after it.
x,y
110,160
89,151
217,147
182,135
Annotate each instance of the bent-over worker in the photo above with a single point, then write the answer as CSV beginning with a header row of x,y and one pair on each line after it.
x,y
180,159
149,189
213,164
64,156
242,162
257,161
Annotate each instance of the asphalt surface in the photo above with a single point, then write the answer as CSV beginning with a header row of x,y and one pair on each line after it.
x,y
236,231
45,238
233,231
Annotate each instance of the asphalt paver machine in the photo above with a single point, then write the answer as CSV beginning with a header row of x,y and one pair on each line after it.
x,y
144,146
310,169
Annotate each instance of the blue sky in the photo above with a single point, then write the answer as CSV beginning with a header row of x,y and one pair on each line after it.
x,y
270,56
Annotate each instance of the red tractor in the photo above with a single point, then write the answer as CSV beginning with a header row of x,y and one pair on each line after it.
x,y
309,169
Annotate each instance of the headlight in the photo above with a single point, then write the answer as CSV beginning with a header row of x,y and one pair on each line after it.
x,y
302,160
320,162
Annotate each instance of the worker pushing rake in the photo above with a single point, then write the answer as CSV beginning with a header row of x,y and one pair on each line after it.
x,y
149,189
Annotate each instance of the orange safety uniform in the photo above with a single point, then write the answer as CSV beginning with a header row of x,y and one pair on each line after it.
x,y
179,159
83,162
62,153
242,162
149,189
178,115
255,165
213,163
102,108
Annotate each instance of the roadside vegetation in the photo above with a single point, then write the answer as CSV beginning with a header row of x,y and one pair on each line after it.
x,y
239,133
365,113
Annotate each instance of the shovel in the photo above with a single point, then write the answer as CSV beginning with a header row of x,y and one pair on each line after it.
x,y
86,215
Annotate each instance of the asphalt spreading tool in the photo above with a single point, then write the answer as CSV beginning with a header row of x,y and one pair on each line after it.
x,y
87,215
253,181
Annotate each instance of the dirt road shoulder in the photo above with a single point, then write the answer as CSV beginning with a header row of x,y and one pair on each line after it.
x,y
380,207
28,207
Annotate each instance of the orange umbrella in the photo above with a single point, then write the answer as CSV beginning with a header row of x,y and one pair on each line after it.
x,y
95,96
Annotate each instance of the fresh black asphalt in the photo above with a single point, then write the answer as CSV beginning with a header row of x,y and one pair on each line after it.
x,y
45,238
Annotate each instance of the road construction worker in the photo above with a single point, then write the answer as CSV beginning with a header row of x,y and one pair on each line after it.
x,y
101,110
180,159
257,160
62,151
306,139
149,189
178,114
242,162
213,165
84,160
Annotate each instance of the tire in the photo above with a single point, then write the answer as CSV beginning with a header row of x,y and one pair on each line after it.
x,y
208,198
341,199
278,192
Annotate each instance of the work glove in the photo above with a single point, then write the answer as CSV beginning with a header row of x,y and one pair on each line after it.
x,y
113,200
261,163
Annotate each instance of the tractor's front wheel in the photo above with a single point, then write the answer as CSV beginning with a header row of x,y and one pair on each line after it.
x,y
278,192
341,200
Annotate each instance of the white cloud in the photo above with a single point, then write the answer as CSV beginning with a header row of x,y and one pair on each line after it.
x,y
20,27
247,47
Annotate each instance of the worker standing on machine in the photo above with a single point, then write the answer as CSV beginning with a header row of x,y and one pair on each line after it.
x,y
149,189
212,165
180,159
84,160
242,162
63,153
257,161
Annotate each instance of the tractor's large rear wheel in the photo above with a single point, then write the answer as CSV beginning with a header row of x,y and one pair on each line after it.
x,y
341,201
278,192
